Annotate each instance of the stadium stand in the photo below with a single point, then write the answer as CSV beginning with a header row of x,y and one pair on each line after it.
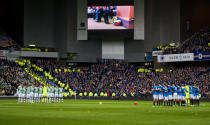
x,y
117,78
11,75
107,77
6,42
197,43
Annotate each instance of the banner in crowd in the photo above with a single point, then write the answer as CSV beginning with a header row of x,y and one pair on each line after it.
x,y
156,53
202,56
176,57
2,52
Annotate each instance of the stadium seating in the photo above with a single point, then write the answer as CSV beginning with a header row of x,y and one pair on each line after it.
x,y
199,42
121,78
107,78
11,75
6,42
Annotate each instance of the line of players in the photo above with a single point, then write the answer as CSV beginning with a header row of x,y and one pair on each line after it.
x,y
39,94
169,95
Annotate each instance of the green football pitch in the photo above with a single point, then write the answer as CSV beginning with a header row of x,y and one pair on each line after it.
x,y
110,112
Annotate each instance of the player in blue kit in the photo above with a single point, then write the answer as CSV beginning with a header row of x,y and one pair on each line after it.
x,y
179,95
170,95
196,100
174,94
155,94
160,95
183,95
192,93
165,95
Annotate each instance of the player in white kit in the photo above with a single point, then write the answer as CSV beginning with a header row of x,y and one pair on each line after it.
x,y
20,91
56,94
40,94
36,94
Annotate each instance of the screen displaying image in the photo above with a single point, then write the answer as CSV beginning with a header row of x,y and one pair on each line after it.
x,y
110,17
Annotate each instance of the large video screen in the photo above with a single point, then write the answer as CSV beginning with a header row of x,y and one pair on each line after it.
x,y
110,17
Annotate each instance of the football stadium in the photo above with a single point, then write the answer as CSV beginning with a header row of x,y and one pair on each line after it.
x,y
104,62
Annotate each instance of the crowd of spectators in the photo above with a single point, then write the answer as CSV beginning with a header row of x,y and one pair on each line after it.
x,y
6,42
109,76
11,75
120,77
199,42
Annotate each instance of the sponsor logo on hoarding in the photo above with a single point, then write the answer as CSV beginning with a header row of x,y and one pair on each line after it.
x,y
176,57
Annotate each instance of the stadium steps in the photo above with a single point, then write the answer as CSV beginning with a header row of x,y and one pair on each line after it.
x,y
34,71
44,76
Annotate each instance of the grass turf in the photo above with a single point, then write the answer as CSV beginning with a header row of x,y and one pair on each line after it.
x,y
90,112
